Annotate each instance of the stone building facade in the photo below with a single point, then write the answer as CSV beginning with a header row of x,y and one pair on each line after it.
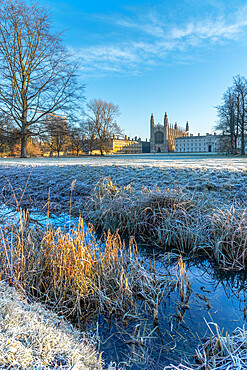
x,y
198,144
125,146
209,143
162,137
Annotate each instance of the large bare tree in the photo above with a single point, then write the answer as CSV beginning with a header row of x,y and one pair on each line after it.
x,y
101,123
37,75
233,114
240,84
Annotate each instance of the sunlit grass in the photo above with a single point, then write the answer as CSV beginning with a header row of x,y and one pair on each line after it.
x,y
77,274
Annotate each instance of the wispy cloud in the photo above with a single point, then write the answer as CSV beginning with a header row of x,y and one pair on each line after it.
x,y
148,41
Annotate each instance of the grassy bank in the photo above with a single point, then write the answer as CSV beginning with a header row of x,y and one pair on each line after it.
x,y
32,337
189,223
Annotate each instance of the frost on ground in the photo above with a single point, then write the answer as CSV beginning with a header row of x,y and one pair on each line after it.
x,y
222,180
32,337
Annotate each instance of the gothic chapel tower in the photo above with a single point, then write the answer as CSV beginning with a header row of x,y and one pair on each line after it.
x,y
158,136
166,133
162,137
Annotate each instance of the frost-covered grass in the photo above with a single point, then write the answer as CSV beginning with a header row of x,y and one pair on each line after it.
x,y
173,219
32,337
221,180
165,218
219,352
192,204
152,160
196,206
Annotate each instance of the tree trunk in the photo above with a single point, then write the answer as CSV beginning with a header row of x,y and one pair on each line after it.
x,y
242,141
242,128
24,146
232,131
24,124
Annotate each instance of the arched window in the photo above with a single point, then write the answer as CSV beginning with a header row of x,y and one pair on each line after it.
x,y
159,138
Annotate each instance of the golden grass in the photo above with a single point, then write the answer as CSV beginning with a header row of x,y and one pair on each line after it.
x,y
76,274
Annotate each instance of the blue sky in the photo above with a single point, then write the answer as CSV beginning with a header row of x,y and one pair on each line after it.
x,y
174,56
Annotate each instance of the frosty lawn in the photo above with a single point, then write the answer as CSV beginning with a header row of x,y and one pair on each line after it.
x,y
220,179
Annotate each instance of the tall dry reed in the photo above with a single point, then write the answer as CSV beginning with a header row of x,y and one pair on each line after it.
x,y
77,274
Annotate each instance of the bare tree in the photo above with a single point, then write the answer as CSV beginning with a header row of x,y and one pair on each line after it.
x,y
56,134
240,84
232,114
37,75
76,135
101,124
227,122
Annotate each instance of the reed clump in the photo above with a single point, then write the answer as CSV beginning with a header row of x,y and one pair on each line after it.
x,y
166,218
228,236
77,274
174,220
219,352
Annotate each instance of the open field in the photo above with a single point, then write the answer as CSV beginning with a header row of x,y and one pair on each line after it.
x,y
217,178
160,160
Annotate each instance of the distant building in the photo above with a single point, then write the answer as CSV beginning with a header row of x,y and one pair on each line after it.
x,y
125,146
199,144
209,143
162,137
145,146
114,145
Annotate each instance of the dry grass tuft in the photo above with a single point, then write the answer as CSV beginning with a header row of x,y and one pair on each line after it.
x,y
165,218
229,238
32,337
170,219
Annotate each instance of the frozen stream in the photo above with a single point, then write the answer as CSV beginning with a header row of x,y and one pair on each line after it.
x,y
216,297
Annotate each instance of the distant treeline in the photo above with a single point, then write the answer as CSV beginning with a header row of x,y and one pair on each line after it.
x,y
55,137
